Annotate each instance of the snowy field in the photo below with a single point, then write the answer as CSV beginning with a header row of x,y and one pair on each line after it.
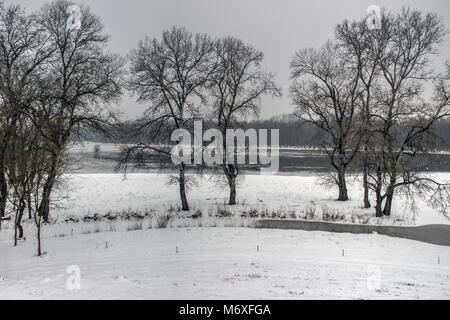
x,y
296,197
224,263
128,259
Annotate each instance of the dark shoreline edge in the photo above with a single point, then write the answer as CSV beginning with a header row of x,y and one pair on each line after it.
x,y
438,234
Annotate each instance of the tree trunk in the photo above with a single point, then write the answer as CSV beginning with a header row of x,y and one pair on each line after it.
x,y
182,180
39,253
44,206
367,204
378,211
19,222
37,222
232,192
390,194
231,174
343,193
3,194
30,210
388,205
18,230
15,233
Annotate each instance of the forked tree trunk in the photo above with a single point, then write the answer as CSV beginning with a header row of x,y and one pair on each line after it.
x,y
182,181
342,184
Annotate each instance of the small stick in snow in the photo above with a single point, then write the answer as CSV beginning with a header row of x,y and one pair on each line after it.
x,y
439,260
106,244
257,248
343,252
176,249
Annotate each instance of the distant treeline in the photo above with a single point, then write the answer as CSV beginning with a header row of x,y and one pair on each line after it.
x,y
293,133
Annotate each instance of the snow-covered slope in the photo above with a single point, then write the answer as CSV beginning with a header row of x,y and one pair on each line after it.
x,y
221,263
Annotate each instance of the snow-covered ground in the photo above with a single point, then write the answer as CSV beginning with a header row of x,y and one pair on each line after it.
x,y
298,196
224,263
219,263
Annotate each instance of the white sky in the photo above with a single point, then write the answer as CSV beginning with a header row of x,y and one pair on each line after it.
x,y
277,27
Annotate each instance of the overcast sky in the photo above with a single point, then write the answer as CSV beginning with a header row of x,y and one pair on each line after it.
x,y
277,27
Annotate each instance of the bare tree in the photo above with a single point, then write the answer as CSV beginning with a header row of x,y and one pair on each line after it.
x,y
410,39
363,48
27,161
397,123
170,74
37,167
326,93
23,51
81,81
237,86
17,173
